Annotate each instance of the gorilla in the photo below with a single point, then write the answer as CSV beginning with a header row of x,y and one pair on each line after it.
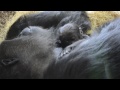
x,y
68,26
69,34
26,57
34,56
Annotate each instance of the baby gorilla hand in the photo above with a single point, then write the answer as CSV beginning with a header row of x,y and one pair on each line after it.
x,y
68,49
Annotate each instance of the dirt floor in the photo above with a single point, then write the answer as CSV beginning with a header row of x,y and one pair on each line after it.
x,y
4,17
98,18
7,18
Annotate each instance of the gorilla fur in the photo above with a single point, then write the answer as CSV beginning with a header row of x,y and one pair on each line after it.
x,y
96,57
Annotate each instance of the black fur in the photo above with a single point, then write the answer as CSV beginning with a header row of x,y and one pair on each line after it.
x,y
97,57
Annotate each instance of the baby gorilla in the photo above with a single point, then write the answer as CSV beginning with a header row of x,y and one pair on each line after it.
x,y
68,34
32,56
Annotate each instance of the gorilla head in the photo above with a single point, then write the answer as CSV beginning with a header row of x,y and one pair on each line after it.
x,y
26,56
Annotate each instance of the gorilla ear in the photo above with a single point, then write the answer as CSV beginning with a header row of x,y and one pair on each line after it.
x,y
9,61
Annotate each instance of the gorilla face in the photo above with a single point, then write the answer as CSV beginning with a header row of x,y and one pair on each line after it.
x,y
26,56
48,19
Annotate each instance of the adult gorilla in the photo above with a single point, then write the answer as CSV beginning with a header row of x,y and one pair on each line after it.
x,y
26,56
33,56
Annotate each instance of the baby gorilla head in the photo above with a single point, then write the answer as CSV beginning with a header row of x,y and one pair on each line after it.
x,y
68,34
